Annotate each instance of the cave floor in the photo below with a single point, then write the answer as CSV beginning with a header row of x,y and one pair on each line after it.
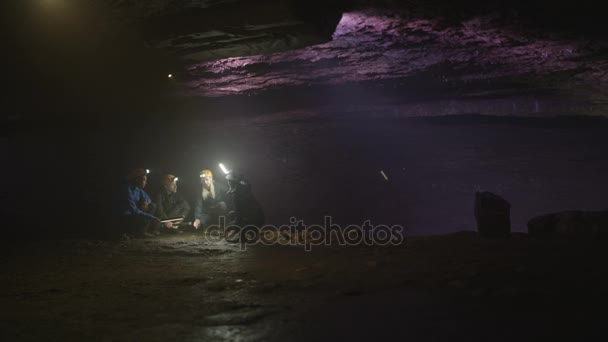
x,y
185,288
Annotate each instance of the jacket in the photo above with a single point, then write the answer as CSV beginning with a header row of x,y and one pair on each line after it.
x,y
246,207
171,205
204,208
131,200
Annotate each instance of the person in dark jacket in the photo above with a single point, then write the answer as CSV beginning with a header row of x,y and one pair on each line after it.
x,y
136,207
169,203
247,210
210,204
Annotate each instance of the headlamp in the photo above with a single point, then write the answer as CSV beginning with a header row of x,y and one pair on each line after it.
x,y
224,169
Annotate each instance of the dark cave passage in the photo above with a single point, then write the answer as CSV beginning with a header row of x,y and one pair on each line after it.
x,y
459,121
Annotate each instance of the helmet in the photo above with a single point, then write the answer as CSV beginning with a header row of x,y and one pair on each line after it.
x,y
206,173
234,177
167,179
135,173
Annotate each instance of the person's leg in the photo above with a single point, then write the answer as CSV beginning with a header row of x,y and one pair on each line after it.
x,y
134,225
205,217
152,226
216,213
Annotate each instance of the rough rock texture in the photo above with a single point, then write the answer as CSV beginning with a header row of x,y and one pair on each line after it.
x,y
404,51
493,215
570,224
273,43
214,29
474,56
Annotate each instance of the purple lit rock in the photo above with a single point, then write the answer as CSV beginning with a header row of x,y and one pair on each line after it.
x,y
493,215
371,47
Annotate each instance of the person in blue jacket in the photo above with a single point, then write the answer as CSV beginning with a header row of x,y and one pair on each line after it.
x,y
136,207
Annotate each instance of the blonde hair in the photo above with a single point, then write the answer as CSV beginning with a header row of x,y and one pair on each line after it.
x,y
211,191
205,193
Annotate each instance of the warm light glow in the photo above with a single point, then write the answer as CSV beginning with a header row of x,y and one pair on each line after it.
x,y
224,169
170,75
53,4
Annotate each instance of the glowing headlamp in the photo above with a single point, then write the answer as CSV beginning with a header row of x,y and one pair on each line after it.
x,y
147,171
175,179
224,169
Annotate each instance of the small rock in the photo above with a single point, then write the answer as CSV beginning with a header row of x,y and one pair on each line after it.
x,y
597,222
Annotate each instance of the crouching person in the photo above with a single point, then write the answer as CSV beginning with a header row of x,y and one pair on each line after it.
x,y
137,209
210,204
247,210
170,205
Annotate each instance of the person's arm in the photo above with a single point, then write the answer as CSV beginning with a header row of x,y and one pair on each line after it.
x,y
145,196
185,207
223,196
181,208
198,211
160,209
133,199
198,207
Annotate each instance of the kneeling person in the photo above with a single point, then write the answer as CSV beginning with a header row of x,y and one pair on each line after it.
x,y
171,207
210,204
136,207
247,209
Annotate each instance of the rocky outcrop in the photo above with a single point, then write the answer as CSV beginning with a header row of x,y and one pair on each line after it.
x,y
407,52
570,224
465,50
493,215
207,30
412,54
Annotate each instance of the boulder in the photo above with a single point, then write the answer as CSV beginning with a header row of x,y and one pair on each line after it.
x,y
573,223
597,221
493,215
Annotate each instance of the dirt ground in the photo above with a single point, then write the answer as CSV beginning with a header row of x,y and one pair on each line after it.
x,y
185,288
